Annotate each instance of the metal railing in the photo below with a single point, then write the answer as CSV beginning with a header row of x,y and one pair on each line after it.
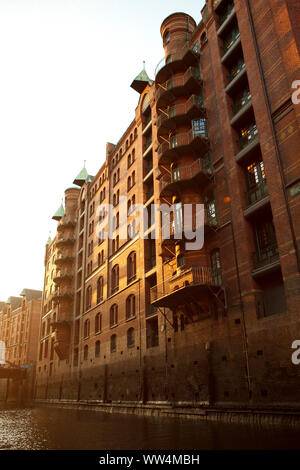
x,y
180,140
185,173
197,275
150,263
248,136
236,70
224,17
241,102
228,43
181,109
180,81
257,192
265,256
173,56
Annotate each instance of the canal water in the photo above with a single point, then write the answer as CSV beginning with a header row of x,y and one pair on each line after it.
x,y
53,428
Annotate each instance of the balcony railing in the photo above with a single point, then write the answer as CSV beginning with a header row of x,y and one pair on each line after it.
x,y
257,192
241,102
63,293
236,70
248,136
266,256
61,274
180,81
61,240
148,142
64,223
194,276
185,173
150,263
181,109
224,17
175,56
228,43
64,257
183,139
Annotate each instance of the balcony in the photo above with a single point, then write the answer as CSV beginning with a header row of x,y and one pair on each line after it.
x,y
231,46
258,198
177,61
266,260
187,84
184,287
180,114
236,77
147,146
248,143
64,258
63,241
64,294
181,143
151,310
62,275
172,234
226,19
241,107
150,263
199,172
65,223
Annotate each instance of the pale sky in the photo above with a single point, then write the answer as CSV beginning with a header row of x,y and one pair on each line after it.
x,y
65,72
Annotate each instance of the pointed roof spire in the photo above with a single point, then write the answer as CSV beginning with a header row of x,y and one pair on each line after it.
x,y
49,239
141,80
81,177
59,213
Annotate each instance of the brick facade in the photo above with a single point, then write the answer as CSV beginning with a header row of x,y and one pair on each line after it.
x,y
213,325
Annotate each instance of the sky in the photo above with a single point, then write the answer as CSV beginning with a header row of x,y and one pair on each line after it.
x,y
65,72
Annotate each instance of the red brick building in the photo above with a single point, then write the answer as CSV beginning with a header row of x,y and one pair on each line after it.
x,y
142,319
19,327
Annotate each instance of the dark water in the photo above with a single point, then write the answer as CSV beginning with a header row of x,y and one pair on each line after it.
x,y
50,428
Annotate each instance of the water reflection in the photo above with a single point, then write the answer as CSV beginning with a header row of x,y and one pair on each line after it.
x,y
50,428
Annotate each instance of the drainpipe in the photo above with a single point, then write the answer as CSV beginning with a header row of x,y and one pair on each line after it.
x,y
275,140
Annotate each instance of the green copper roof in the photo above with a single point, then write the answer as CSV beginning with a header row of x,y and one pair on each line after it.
x,y
49,240
81,177
141,81
89,179
59,213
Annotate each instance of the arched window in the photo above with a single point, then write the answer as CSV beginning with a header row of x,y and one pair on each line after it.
x,y
131,267
115,278
100,289
128,183
86,328
88,300
113,315
135,132
85,352
130,338
98,322
113,343
216,271
97,349
130,306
